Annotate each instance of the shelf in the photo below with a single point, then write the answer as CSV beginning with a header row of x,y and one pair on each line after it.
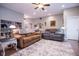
x,y
4,27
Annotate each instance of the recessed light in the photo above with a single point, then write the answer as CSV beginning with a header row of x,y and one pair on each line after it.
x,y
25,16
49,14
63,6
34,13
45,10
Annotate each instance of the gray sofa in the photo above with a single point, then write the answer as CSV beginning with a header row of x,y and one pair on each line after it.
x,y
53,34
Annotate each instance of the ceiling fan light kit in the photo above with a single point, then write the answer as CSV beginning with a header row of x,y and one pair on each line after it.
x,y
40,5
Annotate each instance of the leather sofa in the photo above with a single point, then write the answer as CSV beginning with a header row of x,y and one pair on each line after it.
x,y
53,34
27,39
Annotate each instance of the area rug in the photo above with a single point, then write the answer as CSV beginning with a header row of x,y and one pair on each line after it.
x,y
47,48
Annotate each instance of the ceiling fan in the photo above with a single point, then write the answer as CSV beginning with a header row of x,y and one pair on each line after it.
x,y
40,5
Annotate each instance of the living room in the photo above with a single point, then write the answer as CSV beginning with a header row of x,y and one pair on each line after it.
x,y
38,26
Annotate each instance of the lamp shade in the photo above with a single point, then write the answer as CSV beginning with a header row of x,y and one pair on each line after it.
x,y
62,27
12,26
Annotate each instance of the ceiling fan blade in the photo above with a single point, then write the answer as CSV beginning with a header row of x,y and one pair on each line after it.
x,y
46,4
35,3
36,8
43,9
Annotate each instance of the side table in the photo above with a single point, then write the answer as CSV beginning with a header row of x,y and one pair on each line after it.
x,y
5,43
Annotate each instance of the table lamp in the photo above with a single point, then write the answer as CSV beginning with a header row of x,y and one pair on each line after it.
x,y
12,27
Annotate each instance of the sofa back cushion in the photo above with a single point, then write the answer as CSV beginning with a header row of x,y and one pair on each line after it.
x,y
35,33
29,34
51,30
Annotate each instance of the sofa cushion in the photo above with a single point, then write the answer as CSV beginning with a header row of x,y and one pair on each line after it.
x,y
30,38
36,36
29,34
27,39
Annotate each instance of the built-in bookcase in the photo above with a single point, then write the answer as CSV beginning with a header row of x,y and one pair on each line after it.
x,y
5,31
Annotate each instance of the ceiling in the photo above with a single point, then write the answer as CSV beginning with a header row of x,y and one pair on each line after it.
x,y
29,11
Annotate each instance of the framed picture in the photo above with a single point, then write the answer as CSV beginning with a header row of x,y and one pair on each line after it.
x,y
52,23
40,25
45,23
35,25
31,25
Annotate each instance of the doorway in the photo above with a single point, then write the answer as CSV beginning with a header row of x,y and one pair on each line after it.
x,y
72,26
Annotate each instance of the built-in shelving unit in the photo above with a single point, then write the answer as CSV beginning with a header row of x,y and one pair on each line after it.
x,y
5,31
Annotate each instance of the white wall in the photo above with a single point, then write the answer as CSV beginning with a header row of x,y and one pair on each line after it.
x,y
58,18
71,12
7,14
27,24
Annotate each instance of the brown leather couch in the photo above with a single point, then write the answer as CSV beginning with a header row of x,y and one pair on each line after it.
x,y
24,40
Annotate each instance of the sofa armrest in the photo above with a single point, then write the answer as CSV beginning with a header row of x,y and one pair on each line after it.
x,y
20,42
